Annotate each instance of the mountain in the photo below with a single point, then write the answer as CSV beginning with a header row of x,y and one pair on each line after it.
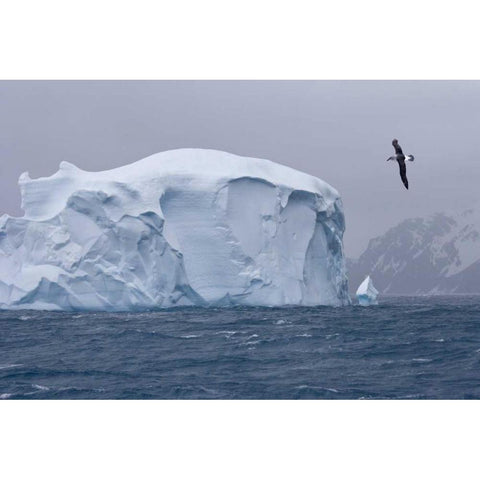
x,y
439,254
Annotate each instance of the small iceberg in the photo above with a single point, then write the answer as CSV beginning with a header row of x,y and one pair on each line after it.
x,y
367,293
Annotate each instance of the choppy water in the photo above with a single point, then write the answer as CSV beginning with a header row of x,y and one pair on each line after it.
x,y
410,347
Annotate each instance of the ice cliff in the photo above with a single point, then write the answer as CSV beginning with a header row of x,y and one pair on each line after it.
x,y
183,227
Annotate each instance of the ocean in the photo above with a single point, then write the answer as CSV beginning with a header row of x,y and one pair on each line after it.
x,y
404,348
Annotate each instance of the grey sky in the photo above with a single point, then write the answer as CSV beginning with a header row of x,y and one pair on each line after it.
x,y
340,131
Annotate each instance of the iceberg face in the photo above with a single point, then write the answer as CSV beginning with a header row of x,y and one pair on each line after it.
x,y
367,293
183,227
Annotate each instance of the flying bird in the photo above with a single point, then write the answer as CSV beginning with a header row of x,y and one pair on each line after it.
x,y
400,158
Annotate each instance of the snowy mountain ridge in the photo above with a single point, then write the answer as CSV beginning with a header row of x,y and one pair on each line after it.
x,y
438,254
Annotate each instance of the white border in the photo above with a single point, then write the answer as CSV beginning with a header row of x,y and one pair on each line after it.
x,y
239,439
248,39
211,39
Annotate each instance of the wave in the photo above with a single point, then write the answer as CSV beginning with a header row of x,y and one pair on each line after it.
x,y
40,387
10,365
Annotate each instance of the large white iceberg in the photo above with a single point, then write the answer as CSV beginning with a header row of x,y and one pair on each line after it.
x,y
367,293
183,227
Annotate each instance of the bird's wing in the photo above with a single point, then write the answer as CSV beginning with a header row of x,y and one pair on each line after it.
x,y
403,173
398,148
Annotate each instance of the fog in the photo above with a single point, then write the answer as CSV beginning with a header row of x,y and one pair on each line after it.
x,y
340,131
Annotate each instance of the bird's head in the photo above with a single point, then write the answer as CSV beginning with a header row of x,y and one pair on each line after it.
x,y
394,141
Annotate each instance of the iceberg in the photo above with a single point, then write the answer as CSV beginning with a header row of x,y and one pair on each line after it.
x,y
178,228
367,293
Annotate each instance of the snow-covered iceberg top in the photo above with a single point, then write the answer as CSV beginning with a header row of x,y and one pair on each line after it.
x,y
182,227
367,293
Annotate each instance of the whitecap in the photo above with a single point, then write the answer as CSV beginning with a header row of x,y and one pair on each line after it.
x,y
226,333
4,396
189,336
421,360
10,365
302,387
334,390
40,387
332,335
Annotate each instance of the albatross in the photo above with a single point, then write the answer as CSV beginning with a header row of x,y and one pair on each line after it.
x,y
400,158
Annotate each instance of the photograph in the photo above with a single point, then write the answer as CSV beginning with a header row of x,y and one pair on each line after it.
x,y
239,240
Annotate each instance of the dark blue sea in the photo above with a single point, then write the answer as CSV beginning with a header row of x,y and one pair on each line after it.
x,y
405,348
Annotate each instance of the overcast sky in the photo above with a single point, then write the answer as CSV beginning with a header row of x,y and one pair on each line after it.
x,y
340,131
